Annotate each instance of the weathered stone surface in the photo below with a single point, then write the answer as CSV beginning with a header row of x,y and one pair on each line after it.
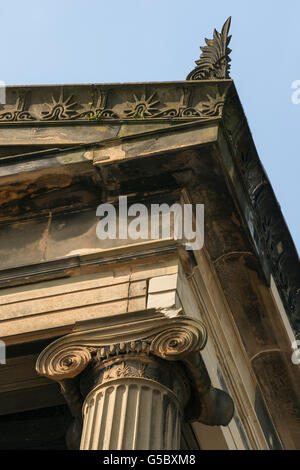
x,y
185,141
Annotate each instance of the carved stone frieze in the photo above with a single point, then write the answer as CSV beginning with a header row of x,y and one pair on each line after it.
x,y
104,103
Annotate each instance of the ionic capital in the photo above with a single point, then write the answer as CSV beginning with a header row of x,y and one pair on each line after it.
x,y
124,346
172,339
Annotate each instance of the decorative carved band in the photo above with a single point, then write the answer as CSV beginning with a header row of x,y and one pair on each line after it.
x,y
137,366
128,106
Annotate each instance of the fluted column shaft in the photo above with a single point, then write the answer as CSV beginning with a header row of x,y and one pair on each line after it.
x,y
132,401
132,414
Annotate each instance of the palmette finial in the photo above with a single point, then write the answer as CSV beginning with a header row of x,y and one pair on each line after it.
x,y
214,60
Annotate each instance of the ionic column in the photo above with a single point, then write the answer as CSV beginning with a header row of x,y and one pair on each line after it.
x,y
129,385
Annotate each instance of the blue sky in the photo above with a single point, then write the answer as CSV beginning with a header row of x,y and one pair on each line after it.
x,y
97,41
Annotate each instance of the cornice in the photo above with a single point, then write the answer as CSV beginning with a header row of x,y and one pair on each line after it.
x,y
68,266
261,211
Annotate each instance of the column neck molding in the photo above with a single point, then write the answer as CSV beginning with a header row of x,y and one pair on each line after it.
x,y
137,366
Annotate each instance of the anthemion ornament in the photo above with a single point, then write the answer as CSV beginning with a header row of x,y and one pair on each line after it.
x,y
214,60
